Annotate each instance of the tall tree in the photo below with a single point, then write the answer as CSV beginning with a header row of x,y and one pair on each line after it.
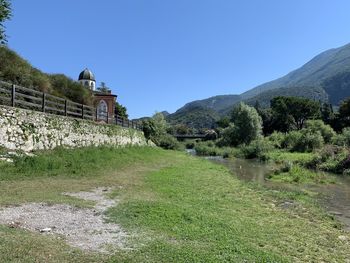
x,y
327,113
291,112
344,113
5,14
246,127
103,88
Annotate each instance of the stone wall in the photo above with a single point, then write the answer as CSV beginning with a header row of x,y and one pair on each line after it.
x,y
30,130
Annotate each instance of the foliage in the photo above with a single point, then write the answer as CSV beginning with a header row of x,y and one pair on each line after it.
x,y
342,139
16,70
291,112
121,110
277,139
327,113
314,126
5,14
293,173
344,112
303,140
331,159
155,129
103,88
168,142
247,126
224,122
257,149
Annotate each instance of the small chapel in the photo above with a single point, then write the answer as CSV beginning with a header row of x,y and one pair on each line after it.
x,y
104,101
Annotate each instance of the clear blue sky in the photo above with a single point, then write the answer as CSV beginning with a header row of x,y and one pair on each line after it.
x,y
160,54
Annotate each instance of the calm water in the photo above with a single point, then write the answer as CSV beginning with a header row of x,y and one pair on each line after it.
x,y
334,197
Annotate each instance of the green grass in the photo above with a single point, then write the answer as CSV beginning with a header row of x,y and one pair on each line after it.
x,y
281,156
176,208
298,174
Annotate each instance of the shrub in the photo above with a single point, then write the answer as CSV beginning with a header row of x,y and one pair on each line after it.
x,y
303,141
291,139
257,149
276,139
204,149
308,142
314,126
342,139
168,142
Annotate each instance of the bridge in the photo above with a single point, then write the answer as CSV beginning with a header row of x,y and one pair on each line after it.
x,y
189,136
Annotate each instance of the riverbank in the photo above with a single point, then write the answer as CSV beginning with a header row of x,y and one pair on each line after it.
x,y
172,207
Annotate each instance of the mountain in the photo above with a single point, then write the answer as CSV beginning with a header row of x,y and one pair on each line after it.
x,y
195,116
315,73
326,77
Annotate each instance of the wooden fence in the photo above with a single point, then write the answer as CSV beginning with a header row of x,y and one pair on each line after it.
x,y
25,98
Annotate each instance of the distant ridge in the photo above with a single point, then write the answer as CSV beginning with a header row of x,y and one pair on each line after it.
x,y
326,78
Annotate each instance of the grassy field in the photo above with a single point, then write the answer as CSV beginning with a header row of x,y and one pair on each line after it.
x,y
176,208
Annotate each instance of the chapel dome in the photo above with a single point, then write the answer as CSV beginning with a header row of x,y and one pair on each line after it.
x,y
86,74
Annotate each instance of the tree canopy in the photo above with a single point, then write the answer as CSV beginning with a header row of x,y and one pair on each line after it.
x,y
5,14
121,110
246,126
290,113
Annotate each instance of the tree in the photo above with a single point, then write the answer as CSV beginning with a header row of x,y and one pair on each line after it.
x,y
121,110
5,14
103,88
291,112
154,128
246,127
327,113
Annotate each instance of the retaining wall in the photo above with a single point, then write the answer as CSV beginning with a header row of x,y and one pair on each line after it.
x,y
31,130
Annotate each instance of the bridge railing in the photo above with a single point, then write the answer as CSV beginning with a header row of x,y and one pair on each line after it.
x,y
25,98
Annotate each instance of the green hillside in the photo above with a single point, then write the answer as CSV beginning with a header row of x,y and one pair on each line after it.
x,y
17,70
195,117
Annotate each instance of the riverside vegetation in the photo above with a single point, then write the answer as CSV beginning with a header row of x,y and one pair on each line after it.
x,y
303,136
174,208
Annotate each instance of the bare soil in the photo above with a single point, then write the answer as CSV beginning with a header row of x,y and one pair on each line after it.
x,y
82,228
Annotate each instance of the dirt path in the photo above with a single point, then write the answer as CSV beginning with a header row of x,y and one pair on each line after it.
x,y
81,227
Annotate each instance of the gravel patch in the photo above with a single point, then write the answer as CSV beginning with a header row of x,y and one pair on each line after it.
x,y
82,228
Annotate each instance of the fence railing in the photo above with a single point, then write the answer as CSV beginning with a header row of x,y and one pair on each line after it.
x,y
25,98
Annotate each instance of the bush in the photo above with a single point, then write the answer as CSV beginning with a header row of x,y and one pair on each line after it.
x,y
168,142
331,159
303,141
308,142
276,139
257,149
207,149
342,139
291,139
314,126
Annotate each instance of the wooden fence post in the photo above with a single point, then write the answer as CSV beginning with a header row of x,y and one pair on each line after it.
x,y
96,114
65,107
13,96
82,111
43,102
107,116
